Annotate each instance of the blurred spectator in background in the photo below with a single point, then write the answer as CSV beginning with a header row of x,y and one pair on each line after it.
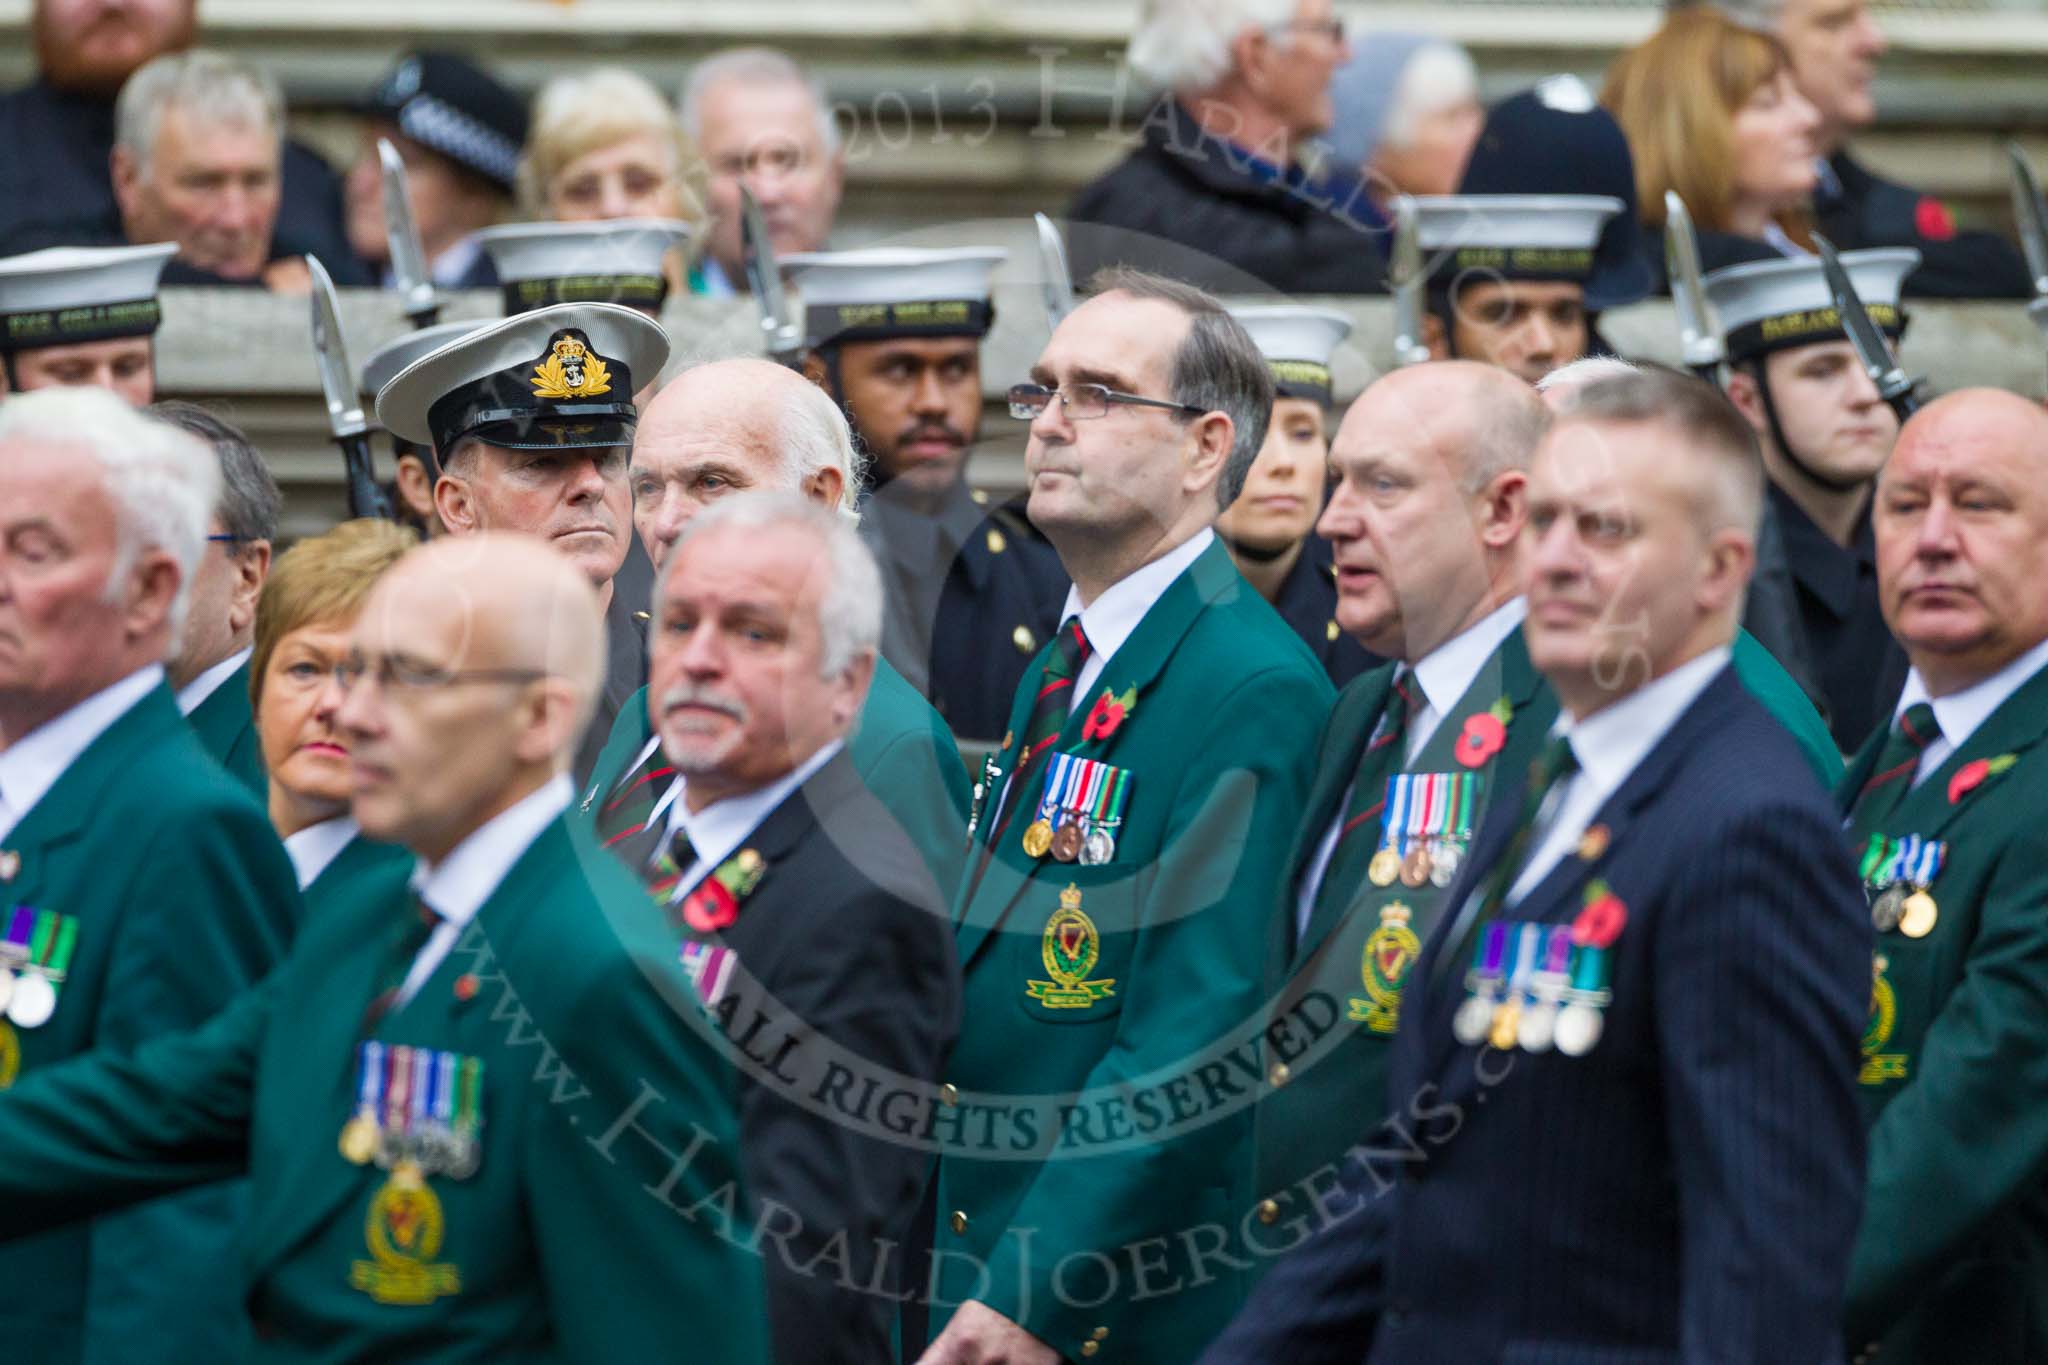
x,y
1406,114
459,132
1213,194
606,145
758,120
54,187
1834,46
1711,111
197,141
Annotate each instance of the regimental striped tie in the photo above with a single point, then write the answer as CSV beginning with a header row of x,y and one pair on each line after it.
x,y
1049,710
412,936
668,864
1383,756
625,822
1892,776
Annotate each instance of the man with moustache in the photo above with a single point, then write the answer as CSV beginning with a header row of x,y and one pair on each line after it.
x,y
1624,1112
730,427
535,1213
1425,521
146,889
805,908
1943,811
531,421
895,337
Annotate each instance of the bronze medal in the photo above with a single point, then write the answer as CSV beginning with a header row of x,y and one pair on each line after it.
x,y
1384,867
1917,916
1886,910
1066,841
1037,839
1415,867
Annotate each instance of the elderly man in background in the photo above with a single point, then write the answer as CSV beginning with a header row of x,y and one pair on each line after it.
x,y
807,910
198,142
1213,194
730,427
759,121
146,885
210,670
1406,113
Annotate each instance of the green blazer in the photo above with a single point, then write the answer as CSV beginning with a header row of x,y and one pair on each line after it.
x,y
1951,1264
227,727
1326,1075
607,1114
183,898
1764,678
365,872
900,747
1078,1132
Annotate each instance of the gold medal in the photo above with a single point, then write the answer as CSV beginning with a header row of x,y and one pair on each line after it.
x,y
1066,841
1037,839
1415,867
1384,867
359,1140
1917,918
1507,1026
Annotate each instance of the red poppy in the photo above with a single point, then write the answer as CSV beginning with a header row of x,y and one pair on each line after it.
x,y
1601,922
1481,739
1103,719
710,907
1967,779
1933,220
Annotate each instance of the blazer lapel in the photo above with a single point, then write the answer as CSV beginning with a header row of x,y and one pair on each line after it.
x,y
2017,725
1343,747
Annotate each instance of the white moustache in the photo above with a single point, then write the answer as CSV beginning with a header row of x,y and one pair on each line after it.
x,y
684,694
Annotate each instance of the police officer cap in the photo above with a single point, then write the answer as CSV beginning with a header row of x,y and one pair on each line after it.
x,y
1776,302
894,292
67,294
559,378
614,261
452,106
1298,344
1553,139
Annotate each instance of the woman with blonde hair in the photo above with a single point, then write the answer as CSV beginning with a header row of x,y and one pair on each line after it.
x,y
1711,111
605,144
308,607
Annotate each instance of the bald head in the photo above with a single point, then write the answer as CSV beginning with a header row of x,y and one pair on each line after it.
x,y
736,426
1962,536
482,660
1481,419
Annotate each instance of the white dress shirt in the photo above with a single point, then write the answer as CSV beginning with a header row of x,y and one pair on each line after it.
x,y
193,694
1114,616
31,765
1609,745
314,847
1445,674
1960,713
457,887
717,831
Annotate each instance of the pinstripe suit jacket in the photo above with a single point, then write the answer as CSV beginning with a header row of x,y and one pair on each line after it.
x,y
1685,1192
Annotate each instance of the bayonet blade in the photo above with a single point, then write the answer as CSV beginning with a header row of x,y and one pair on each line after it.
x,y
1057,286
1408,280
408,257
781,338
1879,363
330,356
1698,340
2028,213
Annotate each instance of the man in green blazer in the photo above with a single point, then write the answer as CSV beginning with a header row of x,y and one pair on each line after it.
x,y
738,425
483,1120
1113,919
1425,518
1945,818
210,671
143,887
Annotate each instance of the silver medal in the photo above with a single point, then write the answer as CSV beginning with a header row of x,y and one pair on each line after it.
x,y
33,1002
1473,1020
1443,868
1538,1026
1578,1029
1098,848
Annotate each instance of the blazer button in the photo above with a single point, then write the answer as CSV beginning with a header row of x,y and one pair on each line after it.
x,y
958,1222
1026,643
1269,1211
949,1094
1089,1348
1279,1075
1100,1334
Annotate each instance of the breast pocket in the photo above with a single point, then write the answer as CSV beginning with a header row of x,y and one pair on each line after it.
x,y
1068,945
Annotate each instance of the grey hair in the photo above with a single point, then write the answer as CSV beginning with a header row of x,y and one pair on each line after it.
x,y
1765,16
1566,380
812,435
1438,77
1507,423
1711,428
162,481
215,87
250,502
850,612
1184,45
753,66
1218,367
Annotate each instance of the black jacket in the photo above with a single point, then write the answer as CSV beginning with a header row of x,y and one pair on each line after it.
x,y
1864,210
1205,210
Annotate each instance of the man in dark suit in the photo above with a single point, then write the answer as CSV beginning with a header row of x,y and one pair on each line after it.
x,y
146,888
818,937
1625,1124
1944,808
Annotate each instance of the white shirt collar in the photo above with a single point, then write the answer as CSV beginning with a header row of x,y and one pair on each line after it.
x,y
451,265
315,846
1111,618
194,694
721,827
1447,672
457,886
1611,742
31,765
713,276
1960,713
